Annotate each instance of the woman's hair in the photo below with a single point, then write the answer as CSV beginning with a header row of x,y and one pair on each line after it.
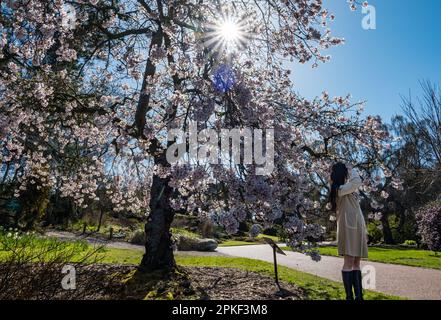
x,y
339,173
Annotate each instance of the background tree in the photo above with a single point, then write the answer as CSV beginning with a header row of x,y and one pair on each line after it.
x,y
413,158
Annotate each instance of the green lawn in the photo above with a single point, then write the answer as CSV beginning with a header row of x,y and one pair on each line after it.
x,y
396,255
316,288
185,233
235,243
257,240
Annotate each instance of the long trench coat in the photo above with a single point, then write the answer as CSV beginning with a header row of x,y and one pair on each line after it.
x,y
351,227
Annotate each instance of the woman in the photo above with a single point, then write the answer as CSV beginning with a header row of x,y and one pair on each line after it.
x,y
351,227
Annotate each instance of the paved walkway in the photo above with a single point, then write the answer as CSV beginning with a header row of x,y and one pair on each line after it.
x,y
404,281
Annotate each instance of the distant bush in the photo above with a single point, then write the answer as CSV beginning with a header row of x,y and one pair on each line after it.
x,y
206,228
138,237
403,231
410,243
183,232
332,235
375,234
185,221
244,228
270,231
34,202
429,225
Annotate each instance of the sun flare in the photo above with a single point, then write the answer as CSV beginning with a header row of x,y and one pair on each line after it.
x,y
229,31
228,34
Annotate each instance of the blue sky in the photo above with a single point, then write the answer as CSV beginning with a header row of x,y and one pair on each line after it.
x,y
379,65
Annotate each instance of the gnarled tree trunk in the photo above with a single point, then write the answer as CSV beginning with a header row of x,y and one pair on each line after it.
x,y
158,248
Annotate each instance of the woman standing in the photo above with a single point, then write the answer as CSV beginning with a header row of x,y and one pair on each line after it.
x,y
351,227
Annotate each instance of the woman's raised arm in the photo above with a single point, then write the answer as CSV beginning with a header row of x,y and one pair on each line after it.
x,y
352,185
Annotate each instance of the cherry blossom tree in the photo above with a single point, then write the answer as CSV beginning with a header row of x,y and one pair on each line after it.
x,y
90,90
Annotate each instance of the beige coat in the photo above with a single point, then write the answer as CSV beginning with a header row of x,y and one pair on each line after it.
x,y
351,227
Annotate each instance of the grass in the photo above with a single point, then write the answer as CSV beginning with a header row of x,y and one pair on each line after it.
x,y
185,233
257,240
34,248
235,243
274,238
315,288
397,255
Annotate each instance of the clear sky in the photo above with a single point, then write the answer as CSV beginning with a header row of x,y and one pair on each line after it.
x,y
379,65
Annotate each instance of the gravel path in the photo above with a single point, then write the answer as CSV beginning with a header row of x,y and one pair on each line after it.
x,y
404,281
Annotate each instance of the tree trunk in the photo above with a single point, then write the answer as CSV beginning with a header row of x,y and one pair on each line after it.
x,y
100,220
158,248
387,233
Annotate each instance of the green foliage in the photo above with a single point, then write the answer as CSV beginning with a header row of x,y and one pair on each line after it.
x,y
235,243
400,231
185,233
138,237
122,229
34,201
244,241
79,226
410,243
406,231
272,231
332,235
31,247
10,207
33,266
374,232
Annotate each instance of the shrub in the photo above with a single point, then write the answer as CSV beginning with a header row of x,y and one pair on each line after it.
x,y
272,231
34,202
206,228
375,234
32,268
429,225
332,235
410,243
138,237
183,232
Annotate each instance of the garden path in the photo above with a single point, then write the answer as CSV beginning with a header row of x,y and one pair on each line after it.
x,y
410,282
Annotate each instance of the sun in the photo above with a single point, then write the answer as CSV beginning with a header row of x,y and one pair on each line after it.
x,y
229,31
228,34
